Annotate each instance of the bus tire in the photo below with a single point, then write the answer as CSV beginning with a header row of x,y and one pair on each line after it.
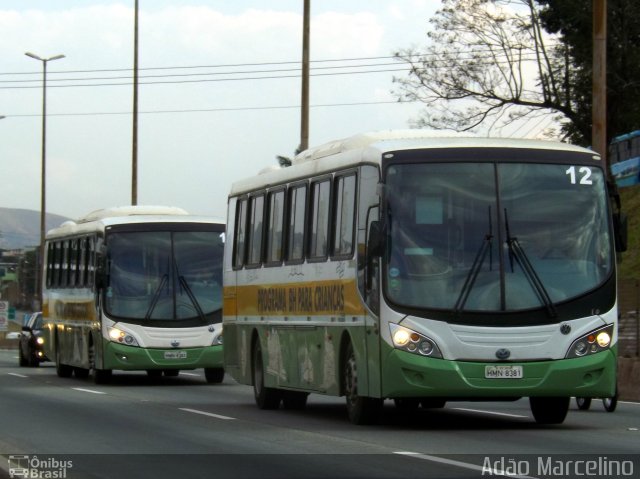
x,y
361,410
100,376
549,410
62,370
266,398
294,400
214,375
611,403
583,403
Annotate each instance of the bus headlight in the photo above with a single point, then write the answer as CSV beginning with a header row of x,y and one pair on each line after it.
x,y
40,341
408,340
594,342
122,337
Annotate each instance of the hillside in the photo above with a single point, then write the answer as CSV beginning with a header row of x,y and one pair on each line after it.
x,y
20,228
629,268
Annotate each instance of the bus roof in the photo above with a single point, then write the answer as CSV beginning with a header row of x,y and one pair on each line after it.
x,y
369,148
100,219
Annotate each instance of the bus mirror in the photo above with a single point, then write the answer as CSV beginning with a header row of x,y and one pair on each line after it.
x,y
620,229
375,245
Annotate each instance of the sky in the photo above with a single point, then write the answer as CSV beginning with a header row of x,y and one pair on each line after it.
x,y
219,93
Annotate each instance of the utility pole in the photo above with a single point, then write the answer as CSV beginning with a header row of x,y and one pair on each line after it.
x,y
134,152
599,109
304,118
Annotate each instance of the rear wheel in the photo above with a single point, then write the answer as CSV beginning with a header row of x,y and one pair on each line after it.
x,y
21,359
266,398
362,410
214,375
549,410
583,403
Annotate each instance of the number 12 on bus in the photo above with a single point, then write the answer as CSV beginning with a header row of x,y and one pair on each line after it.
x,y
425,269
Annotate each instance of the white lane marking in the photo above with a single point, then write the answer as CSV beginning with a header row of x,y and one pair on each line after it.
x,y
210,414
188,374
488,412
89,391
17,375
465,465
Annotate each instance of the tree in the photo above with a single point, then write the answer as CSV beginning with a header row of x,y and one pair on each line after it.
x,y
572,21
502,60
487,61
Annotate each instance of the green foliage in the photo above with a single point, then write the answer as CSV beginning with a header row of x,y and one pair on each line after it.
x,y
572,20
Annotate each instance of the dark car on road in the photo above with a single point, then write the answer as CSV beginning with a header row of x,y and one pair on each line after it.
x,y
30,349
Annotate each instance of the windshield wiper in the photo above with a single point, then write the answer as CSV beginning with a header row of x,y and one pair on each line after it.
x,y
192,297
485,248
156,296
516,251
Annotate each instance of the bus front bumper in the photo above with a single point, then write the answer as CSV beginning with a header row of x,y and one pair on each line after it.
x,y
409,375
129,358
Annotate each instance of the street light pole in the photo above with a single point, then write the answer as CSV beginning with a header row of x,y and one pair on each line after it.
x,y
43,196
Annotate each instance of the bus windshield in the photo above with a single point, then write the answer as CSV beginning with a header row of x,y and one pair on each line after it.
x,y
165,277
495,236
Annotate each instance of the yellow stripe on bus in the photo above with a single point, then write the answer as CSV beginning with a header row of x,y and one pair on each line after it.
x,y
314,298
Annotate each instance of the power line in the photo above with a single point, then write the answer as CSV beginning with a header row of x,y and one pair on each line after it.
x,y
208,110
206,80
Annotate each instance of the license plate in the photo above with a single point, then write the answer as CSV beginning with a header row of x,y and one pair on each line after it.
x,y
175,355
503,372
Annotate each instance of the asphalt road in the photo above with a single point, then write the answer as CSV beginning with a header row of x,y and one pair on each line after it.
x,y
182,427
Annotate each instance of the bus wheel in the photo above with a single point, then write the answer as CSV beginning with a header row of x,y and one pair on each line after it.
x,y
266,398
62,370
610,403
549,410
294,400
214,375
362,410
583,403
100,376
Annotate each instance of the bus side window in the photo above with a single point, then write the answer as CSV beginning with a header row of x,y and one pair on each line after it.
x,y
319,219
344,215
296,223
240,233
275,227
256,221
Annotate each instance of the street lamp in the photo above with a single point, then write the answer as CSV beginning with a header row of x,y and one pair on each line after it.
x,y
44,163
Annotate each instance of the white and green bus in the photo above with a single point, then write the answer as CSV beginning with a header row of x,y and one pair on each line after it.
x,y
134,288
398,265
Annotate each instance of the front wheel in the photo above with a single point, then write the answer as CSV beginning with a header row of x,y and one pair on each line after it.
x,y
611,403
214,375
549,410
583,403
362,410
266,398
